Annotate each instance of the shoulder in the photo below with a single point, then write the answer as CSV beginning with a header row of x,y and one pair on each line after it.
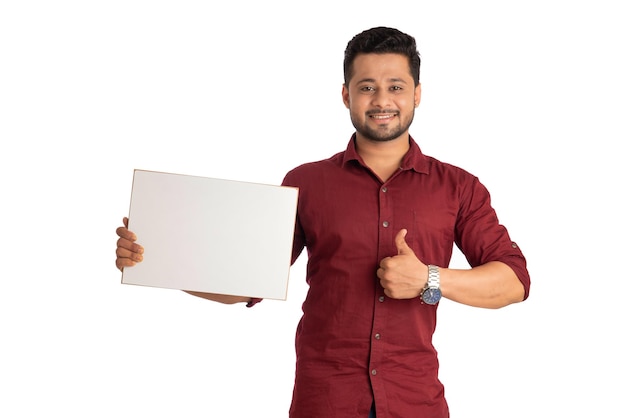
x,y
452,180
447,170
313,169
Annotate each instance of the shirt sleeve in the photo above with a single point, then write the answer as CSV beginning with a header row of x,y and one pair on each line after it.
x,y
299,240
481,237
252,302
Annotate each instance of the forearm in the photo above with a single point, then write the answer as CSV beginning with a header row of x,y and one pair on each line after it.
x,y
226,299
492,285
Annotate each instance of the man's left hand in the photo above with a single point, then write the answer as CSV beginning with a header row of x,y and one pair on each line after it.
x,y
403,276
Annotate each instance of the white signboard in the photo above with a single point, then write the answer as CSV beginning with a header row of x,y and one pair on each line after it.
x,y
212,235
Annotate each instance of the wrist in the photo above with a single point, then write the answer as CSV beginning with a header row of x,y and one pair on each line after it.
x,y
431,294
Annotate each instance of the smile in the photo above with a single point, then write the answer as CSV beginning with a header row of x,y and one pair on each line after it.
x,y
382,117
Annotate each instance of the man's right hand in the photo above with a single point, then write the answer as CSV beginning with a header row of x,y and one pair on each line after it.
x,y
128,252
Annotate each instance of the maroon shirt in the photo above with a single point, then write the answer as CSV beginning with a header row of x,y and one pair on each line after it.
x,y
354,345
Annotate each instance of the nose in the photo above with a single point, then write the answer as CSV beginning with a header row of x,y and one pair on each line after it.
x,y
381,99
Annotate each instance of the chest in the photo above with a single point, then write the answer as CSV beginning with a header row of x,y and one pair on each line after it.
x,y
359,212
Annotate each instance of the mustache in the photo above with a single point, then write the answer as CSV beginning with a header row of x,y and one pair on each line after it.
x,y
382,112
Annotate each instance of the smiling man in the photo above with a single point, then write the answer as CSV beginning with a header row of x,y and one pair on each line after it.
x,y
379,222
382,108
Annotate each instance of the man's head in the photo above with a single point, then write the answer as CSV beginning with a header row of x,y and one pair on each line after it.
x,y
381,87
382,40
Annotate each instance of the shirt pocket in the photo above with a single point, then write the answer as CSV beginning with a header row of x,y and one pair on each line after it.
x,y
432,236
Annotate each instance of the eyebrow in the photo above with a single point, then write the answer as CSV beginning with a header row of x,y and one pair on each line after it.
x,y
392,80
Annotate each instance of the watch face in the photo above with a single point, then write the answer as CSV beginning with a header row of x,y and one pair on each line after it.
x,y
431,296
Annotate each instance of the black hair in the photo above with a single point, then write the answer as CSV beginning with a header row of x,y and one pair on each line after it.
x,y
382,40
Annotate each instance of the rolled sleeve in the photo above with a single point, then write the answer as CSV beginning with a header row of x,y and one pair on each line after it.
x,y
481,237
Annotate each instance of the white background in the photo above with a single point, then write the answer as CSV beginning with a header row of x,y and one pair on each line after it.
x,y
527,95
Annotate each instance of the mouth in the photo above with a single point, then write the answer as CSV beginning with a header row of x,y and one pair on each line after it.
x,y
382,117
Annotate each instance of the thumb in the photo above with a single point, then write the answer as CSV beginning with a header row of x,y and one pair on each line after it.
x,y
401,245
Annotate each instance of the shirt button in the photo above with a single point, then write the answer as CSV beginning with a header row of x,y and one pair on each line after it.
x,y
384,189
514,245
381,299
377,336
374,372
385,224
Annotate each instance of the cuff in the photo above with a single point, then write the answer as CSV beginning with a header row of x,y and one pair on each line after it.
x,y
252,302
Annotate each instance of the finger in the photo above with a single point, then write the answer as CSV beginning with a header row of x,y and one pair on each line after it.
x,y
380,273
401,244
126,258
120,263
125,233
125,221
129,245
384,263
121,252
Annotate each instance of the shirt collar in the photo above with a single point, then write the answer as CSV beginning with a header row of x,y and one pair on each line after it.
x,y
412,160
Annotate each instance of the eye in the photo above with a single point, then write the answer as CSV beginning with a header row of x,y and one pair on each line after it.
x,y
367,89
395,88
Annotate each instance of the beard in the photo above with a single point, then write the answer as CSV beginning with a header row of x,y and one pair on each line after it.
x,y
380,133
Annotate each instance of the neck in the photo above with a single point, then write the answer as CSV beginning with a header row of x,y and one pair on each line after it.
x,y
383,158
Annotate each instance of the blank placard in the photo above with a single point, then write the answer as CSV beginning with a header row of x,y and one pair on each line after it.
x,y
212,235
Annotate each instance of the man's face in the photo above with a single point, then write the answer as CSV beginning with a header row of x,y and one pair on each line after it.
x,y
381,96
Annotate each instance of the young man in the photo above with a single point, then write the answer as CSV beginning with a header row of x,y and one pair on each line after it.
x,y
379,222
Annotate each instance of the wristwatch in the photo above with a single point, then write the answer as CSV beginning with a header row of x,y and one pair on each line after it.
x,y
431,294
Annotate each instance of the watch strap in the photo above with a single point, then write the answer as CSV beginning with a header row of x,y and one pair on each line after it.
x,y
433,277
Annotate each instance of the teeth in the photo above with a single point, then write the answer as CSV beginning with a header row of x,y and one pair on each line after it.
x,y
382,116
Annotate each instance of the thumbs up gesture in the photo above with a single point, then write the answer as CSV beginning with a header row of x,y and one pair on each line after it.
x,y
403,276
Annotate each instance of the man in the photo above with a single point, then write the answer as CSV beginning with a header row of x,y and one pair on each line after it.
x,y
379,222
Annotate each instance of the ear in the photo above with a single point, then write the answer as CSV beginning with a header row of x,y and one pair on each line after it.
x,y
418,94
345,96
